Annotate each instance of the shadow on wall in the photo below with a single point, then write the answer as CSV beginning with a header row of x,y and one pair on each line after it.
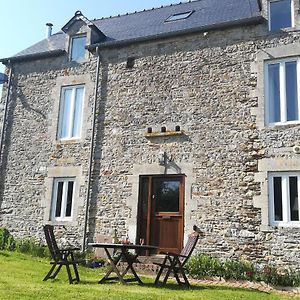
x,y
7,142
27,106
15,96
100,116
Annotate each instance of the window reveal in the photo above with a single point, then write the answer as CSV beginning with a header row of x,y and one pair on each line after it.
x,y
63,199
280,14
284,199
78,48
282,91
70,118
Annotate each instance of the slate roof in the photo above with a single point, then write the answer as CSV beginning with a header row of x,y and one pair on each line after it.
x,y
150,24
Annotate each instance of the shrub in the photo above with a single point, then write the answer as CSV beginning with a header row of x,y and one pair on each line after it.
x,y
7,241
202,265
30,246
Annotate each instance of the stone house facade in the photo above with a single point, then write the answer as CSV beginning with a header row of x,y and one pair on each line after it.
x,y
145,124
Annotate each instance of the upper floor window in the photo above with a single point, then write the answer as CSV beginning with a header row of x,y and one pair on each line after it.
x,y
284,199
282,79
62,199
280,14
70,115
78,48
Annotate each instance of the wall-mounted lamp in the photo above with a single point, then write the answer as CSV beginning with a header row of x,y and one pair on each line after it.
x,y
163,159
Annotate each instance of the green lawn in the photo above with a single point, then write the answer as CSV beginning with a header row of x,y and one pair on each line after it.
x,y
21,278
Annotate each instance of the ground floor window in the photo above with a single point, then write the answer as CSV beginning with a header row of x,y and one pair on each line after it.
x,y
284,200
62,199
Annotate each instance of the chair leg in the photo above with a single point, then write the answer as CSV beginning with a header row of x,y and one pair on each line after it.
x,y
76,273
50,275
177,278
158,275
69,274
167,275
184,278
162,267
56,272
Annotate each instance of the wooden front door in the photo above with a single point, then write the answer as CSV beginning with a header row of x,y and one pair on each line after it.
x,y
161,211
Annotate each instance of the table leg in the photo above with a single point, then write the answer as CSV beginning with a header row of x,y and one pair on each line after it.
x,y
113,267
130,260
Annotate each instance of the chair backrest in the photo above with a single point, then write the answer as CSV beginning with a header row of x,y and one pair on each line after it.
x,y
51,242
189,246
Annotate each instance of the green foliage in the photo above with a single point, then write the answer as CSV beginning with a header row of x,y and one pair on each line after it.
x,y
30,246
7,241
202,265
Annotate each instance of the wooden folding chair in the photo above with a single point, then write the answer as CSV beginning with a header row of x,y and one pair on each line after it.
x,y
60,257
174,262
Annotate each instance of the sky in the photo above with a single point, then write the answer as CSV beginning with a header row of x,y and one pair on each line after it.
x,y
22,22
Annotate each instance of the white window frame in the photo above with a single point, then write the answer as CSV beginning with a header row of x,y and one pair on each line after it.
x,y
283,106
72,112
63,216
72,38
269,14
286,213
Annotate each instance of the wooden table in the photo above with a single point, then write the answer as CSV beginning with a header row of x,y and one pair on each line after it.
x,y
127,257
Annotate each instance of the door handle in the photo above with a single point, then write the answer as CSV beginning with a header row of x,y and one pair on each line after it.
x,y
166,217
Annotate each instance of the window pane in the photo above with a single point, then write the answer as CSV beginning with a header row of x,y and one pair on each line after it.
x,y
293,181
59,199
291,90
280,14
69,199
78,48
179,16
65,115
166,195
277,198
77,112
274,93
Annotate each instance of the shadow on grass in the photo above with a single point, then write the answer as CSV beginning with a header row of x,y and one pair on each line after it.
x,y
172,286
4,254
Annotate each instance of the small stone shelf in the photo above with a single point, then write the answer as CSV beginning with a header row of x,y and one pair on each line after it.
x,y
163,134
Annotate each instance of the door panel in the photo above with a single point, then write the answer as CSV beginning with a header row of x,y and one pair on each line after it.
x,y
165,234
161,211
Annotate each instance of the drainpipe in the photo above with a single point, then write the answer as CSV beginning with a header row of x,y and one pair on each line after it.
x,y
5,108
84,244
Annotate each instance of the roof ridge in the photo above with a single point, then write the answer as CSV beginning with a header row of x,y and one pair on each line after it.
x,y
144,10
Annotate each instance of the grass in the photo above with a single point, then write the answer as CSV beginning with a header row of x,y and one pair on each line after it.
x,y
21,278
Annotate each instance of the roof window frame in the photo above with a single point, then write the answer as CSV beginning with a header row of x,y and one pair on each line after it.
x,y
187,13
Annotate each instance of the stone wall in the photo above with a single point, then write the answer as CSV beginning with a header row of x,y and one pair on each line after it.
x,y
205,84
31,149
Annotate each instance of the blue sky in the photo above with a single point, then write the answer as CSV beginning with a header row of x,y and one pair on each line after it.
x,y
22,22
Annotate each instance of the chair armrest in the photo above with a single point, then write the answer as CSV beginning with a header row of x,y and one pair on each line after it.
x,y
173,254
69,249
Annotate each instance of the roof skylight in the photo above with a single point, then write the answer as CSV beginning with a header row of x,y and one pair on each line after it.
x,y
179,16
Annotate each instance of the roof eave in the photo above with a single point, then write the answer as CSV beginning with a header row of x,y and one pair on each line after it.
x,y
242,22
28,57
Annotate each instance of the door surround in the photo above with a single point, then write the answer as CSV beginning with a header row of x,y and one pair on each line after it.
x,y
190,204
